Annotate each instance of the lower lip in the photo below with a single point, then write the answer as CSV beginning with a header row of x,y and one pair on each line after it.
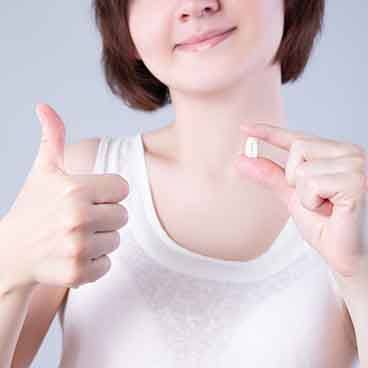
x,y
199,46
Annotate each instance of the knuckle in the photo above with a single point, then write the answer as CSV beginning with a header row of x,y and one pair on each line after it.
x,y
360,162
297,145
74,222
73,188
76,248
77,218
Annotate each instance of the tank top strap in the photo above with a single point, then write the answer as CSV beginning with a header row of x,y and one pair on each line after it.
x,y
110,155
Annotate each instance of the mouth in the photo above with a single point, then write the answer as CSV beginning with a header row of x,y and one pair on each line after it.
x,y
208,43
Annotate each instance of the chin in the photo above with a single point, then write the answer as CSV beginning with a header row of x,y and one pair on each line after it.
x,y
205,82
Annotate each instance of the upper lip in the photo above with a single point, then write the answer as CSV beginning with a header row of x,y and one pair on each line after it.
x,y
204,36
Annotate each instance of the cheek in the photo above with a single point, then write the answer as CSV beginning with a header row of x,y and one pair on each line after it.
x,y
149,37
263,24
152,42
153,48
271,16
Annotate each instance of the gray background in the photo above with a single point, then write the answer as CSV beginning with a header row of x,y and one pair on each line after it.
x,y
50,53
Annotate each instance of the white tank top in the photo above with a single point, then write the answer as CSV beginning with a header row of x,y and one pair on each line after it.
x,y
162,305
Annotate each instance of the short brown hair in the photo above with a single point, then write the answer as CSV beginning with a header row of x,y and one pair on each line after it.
x,y
129,78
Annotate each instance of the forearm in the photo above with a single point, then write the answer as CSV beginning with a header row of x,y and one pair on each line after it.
x,y
354,290
359,316
13,311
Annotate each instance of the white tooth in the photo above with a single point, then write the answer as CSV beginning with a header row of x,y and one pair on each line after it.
x,y
251,147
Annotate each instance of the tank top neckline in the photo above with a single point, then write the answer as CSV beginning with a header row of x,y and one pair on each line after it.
x,y
153,238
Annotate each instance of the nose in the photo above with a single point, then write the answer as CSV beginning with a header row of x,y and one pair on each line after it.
x,y
198,8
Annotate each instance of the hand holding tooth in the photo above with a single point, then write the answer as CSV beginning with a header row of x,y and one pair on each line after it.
x,y
324,185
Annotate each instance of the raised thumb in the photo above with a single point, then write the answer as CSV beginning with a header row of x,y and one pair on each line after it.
x,y
51,150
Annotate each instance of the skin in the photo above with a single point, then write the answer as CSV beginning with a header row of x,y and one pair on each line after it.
x,y
209,104
216,91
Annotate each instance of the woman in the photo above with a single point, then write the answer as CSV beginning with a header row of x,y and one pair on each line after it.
x,y
222,262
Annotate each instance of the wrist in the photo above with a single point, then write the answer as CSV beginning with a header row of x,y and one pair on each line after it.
x,y
12,283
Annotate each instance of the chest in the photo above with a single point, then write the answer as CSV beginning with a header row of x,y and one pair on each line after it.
x,y
289,320
232,221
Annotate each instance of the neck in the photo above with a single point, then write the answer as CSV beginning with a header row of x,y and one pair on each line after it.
x,y
205,135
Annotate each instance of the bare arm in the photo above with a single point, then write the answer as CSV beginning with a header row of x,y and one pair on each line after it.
x,y
355,292
13,310
45,302
26,315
